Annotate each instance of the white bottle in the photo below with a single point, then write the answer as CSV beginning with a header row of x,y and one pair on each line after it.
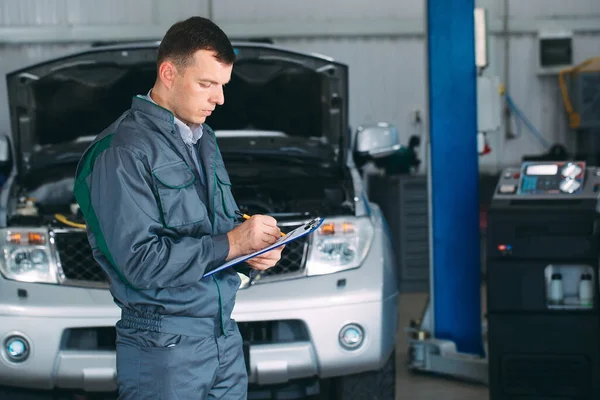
x,y
556,289
586,290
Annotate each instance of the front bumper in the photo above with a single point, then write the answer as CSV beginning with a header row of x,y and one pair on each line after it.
x,y
42,317
323,356
48,366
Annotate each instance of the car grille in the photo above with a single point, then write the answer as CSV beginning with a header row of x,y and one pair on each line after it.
x,y
292,262
76,258
293,259
80,268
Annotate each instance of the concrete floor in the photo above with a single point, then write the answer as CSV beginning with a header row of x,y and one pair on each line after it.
x,y
424,387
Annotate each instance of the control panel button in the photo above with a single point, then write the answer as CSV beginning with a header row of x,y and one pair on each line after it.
x,y
569,186
507,189
571,170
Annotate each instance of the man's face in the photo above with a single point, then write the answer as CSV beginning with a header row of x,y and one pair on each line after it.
x,y
198,88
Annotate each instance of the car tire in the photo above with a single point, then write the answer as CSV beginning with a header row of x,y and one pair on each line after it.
x,y
372,385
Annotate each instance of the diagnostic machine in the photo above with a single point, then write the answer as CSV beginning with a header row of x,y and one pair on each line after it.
x,y
542,282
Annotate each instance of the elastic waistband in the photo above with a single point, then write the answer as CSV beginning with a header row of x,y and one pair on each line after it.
x,y
176,325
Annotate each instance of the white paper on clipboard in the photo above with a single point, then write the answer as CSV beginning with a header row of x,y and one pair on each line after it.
x,y
303,230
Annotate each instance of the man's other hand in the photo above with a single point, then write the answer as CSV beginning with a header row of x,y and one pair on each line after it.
x,y
252,235
267,260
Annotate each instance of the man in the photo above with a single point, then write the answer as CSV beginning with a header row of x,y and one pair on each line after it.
x,y
160,214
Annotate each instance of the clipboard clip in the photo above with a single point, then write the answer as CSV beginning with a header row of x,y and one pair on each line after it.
x,y
312,224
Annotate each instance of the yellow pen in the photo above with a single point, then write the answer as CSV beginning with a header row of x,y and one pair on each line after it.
x,y
246,216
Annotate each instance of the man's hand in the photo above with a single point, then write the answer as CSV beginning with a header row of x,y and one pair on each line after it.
x,y
267,260
252,235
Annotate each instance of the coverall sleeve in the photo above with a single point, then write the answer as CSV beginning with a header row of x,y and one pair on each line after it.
x,y
148,255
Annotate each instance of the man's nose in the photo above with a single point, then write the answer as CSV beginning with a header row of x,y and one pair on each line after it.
x,y
218,97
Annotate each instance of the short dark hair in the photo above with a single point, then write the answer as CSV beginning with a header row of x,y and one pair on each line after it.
x,y
185,38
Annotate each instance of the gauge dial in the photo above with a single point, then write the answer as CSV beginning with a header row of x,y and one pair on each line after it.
x,y
569,186
571,170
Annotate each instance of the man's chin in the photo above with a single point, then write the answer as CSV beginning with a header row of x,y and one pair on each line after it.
x,y
195,121
199,120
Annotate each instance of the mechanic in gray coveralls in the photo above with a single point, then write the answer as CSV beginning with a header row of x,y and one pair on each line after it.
x,y
160,213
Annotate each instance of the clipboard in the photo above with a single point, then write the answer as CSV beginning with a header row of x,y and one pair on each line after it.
x,y
297,233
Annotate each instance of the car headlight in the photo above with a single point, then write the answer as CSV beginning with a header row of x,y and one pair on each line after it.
x,y
26,255
339,244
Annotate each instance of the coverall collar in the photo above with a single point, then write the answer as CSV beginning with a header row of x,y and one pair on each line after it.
x,y
140,103
189,134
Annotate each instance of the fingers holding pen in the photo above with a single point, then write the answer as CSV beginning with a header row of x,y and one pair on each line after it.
x,y
255,233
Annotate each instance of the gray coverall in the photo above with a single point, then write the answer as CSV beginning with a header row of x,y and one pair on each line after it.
x,y
156,226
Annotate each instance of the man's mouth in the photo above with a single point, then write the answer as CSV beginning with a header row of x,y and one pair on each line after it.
x,y
207,112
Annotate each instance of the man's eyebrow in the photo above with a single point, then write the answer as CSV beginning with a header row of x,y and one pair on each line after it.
x,y
214,82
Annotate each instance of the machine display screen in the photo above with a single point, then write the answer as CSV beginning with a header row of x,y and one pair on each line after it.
x,y
547,178
542,169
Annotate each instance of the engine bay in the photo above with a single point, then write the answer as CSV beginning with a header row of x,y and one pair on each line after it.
x,y
46,197
293,199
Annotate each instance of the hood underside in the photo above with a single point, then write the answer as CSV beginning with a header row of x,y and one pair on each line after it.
x,y
271,89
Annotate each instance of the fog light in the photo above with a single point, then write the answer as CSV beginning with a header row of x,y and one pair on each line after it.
x,y
17,348
351,336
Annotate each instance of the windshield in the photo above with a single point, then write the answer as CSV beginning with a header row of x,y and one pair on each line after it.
x,y
82,99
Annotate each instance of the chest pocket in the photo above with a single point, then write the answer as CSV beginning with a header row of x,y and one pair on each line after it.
x,y
177,195
225,197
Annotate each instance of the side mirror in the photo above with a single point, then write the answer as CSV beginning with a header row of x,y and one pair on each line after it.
x,y
376,141
380,144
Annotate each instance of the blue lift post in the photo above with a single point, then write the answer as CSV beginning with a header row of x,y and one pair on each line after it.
x,y
456,278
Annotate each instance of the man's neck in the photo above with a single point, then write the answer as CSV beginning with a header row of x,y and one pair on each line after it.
x,y
156,96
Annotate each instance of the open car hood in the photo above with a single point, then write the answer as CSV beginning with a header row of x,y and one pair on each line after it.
x,y
271,89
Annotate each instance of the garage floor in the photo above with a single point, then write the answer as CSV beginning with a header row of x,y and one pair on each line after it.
x,y
424,387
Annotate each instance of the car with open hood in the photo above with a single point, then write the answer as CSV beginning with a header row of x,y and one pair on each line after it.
x,y
327,312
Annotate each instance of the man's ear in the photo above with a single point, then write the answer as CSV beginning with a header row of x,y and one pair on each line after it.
x,y
166,73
